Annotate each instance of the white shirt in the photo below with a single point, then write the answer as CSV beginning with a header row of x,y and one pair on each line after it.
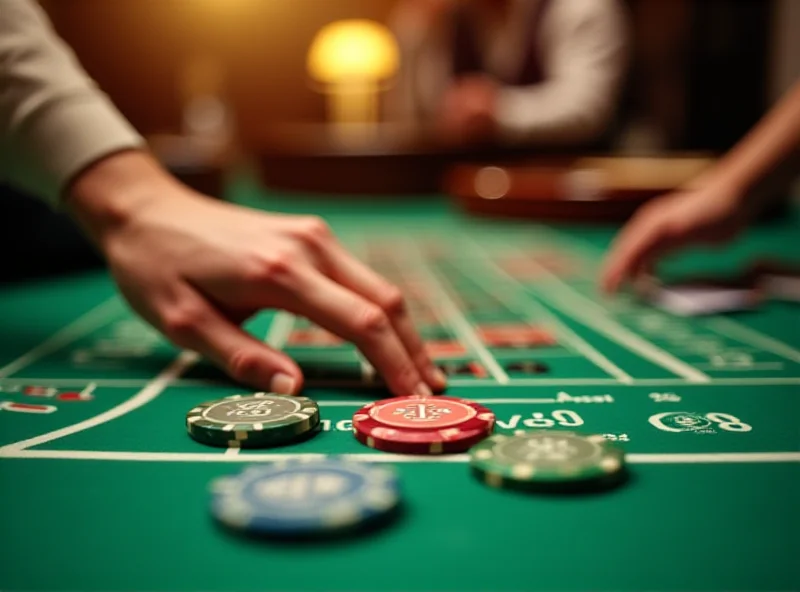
x,y
54,121
583,46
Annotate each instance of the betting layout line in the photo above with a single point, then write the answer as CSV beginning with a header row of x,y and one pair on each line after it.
x,y
95,318
631,458
755,366
753,338
279,329
147,394
568,300
324,403
576,341
453,314
724,326
456,382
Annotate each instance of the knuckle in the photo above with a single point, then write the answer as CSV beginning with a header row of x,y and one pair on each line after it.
x,y
393,302
407,376
242,365
181,323
313,230
274,268
421,358
372,321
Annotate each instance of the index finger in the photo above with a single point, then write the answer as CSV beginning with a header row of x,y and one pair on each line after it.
x,y
634,247
355,275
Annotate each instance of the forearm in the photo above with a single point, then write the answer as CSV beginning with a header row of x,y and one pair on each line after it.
x,y
585,50
767,154
553,113
54,121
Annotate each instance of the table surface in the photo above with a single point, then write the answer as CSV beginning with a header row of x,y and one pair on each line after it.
x,y
103,489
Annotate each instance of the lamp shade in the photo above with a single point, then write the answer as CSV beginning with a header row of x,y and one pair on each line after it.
x,y
353,50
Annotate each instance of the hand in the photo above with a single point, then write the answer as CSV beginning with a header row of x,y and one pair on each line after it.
x,y
195,268
467,110
711,215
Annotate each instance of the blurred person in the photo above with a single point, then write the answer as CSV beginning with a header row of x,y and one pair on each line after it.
x,y
514,72
194,267
714,208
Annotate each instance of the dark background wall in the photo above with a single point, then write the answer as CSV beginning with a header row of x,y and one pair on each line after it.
x,y
700,69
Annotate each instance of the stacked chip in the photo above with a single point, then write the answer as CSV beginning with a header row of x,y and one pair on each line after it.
x,y
301,499
548,460
260,420
422,425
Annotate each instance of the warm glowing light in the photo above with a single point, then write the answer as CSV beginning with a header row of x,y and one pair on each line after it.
x,y
353,50
351,60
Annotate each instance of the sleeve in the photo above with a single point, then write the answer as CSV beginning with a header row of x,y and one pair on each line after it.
x,y
54,121
585,56
421,30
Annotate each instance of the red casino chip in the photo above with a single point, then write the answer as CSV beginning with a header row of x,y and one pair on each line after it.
x,y
422,425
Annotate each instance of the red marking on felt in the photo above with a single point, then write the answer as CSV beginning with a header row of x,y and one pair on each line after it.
x,y
74,396
521,335
441,349
478,371
313,336
39,391
27,407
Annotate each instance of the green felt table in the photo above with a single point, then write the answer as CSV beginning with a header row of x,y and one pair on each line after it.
x,y
102,489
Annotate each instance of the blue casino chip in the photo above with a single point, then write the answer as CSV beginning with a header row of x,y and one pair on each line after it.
x,y
305,498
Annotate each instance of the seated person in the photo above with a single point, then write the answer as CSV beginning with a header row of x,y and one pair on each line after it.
x,y
514,72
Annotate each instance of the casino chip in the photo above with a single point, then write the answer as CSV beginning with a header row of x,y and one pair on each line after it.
x,y
415,425
260,420
300,499
547,459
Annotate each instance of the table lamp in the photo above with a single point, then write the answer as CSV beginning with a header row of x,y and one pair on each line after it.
x,y
351,61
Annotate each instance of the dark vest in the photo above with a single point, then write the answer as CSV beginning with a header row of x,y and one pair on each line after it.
x,y
467,57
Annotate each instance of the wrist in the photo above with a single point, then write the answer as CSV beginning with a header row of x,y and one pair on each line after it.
x,y
721,182
112,191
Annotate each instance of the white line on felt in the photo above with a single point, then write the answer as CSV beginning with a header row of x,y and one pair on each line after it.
x,y
147,394
575,340
631,458
544,353
91,320
279,329
454,382
500,401
452,313
368,373
752,337
109,382
721,325
755,366
575,304
232,451
89,389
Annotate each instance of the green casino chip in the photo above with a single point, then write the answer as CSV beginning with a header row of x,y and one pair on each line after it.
x,y
547,459
260,420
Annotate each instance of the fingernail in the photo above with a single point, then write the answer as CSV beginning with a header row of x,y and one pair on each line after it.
x,y
282,384
439,377
423,390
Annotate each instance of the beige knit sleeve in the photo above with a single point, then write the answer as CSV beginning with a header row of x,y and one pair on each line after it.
x,y
54,121
585,47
